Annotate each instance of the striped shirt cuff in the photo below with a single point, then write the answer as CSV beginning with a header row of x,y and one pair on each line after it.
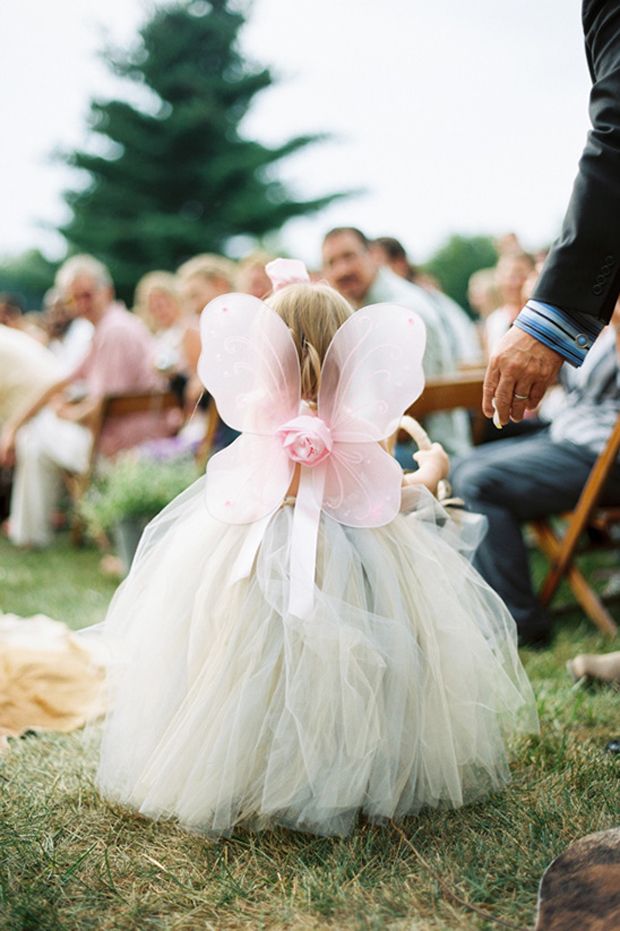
x,y
570,335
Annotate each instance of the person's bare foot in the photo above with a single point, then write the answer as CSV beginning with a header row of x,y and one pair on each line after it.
x,y
112,566
604,666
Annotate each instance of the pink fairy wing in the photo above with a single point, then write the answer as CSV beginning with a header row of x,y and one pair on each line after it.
x,y
249,363
362,485
248,479
372,372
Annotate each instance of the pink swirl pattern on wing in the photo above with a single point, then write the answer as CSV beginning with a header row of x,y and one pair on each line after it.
x,y
249,363
372,372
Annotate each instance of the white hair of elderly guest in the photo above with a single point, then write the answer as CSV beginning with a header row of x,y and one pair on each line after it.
x,y
79,265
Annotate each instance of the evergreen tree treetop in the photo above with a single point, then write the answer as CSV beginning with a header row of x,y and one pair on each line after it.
x,y
178,178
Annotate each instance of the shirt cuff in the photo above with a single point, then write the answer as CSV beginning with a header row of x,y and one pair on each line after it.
x,y
570,335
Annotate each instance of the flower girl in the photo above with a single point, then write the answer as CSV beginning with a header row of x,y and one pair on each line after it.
x,y
299,640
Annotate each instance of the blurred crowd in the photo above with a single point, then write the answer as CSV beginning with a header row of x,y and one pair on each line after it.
x,y
57,364
169,304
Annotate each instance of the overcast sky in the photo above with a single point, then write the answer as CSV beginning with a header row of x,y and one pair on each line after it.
x,y
453,116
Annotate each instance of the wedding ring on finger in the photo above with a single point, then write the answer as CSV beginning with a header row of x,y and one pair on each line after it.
x,y
521,397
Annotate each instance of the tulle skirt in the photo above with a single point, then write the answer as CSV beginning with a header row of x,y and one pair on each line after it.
x,y
398,692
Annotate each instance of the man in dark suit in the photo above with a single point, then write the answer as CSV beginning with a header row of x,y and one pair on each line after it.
x,y
580,281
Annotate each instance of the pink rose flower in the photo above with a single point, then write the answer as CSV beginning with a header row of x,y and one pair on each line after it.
x,y
306,439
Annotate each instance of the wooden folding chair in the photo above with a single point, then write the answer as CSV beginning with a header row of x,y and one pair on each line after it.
x,y
588,518
462,389
112,406
115,406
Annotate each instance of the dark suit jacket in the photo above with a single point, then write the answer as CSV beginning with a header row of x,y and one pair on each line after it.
x,y
582,271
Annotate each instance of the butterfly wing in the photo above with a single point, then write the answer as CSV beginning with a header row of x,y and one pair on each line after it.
x,y
249,364
372,372
362,485
248,479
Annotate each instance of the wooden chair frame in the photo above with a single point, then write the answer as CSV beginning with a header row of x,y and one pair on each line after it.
x,y
123,405
562,550
112,405
462,389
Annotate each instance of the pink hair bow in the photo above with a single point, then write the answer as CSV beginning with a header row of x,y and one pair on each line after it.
x,y
371,373
283,272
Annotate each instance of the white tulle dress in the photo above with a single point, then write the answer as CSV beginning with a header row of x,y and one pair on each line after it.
x,y
357,664
398,692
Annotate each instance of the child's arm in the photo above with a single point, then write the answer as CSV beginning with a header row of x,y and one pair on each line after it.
x,y
433,466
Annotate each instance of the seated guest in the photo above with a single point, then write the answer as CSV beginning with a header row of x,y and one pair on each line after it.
x,y
390,251
251,275
350,268
482,293
43,441
176,335
204,277
68,336
508,244
27,369
11,311
525,478
12,314
387,250
201,279
461,330
483,298
511,273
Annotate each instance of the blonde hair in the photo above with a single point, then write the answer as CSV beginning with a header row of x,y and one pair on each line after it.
x,y
313,314
208,266
256,259
154,281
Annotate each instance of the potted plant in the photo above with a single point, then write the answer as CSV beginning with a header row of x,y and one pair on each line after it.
x,y
129,493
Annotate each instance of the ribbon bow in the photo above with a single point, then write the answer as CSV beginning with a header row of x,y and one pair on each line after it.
x,y
371,373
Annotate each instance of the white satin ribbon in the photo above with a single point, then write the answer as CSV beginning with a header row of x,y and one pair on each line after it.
x,y
242,565
304,538
306,519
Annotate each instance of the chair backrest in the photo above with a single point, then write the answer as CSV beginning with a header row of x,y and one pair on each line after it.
x,y
114,406
121,405
462,389
459,390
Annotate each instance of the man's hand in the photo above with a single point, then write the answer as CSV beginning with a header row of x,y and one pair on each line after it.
x,y
519,372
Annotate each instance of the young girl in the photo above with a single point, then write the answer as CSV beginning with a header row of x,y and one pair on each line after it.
x,y
300,640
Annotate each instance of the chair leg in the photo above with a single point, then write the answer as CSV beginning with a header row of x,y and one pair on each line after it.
x,y
76,486
551,547
76,534
591,603
585,595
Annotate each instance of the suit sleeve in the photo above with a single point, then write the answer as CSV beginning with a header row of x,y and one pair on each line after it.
x,y
582,272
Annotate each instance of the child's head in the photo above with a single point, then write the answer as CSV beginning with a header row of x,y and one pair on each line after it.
x,y
313,314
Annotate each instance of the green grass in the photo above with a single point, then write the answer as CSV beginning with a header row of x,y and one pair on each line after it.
x,y
63,581
69,861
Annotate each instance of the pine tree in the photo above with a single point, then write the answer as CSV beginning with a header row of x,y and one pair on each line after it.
x,y
182,179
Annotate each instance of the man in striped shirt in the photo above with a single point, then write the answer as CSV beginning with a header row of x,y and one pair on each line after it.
x,y
525,478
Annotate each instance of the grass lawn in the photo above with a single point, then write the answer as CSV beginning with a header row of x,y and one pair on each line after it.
x,y
69,861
